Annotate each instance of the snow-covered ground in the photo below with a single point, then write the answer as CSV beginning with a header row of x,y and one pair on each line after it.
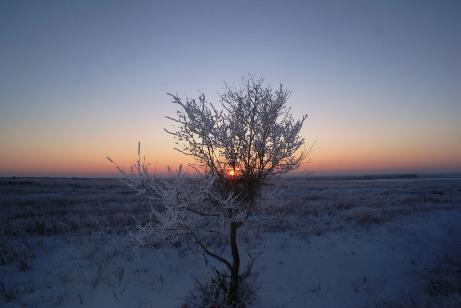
x,y
328,243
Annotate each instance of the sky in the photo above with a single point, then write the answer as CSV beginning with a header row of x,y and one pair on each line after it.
x,y
82,80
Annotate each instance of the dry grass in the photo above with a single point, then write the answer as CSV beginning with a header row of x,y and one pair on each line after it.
x,y
48,207
317,206
62,206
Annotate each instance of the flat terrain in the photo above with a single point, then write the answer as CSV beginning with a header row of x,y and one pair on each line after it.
x,y
324,243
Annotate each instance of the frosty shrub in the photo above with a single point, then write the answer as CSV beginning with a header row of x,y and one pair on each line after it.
x,y
213,292
238,146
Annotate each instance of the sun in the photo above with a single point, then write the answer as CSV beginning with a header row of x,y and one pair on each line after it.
x,y
232,172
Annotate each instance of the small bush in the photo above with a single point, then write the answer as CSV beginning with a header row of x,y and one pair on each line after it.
x,y
365,217
8,291
15,253
445,279
7,253
213,292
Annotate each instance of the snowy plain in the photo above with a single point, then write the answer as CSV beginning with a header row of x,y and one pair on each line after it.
x,y
328,243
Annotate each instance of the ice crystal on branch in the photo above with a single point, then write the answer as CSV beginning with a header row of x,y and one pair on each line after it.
x,y
238,146
251,137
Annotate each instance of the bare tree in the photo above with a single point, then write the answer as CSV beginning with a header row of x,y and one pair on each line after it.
x,y
237,147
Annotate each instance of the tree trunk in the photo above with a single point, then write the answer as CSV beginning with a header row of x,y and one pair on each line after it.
x,y
234,282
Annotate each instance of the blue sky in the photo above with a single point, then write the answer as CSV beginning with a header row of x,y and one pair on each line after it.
x,y
83,79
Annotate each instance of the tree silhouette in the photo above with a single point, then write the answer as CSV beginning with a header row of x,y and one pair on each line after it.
x,y
237,148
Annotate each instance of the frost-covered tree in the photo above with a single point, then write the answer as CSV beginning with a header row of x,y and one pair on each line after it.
x,y
238,146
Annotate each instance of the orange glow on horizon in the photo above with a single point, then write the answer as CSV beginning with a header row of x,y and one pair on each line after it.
x,y
71,159
321,161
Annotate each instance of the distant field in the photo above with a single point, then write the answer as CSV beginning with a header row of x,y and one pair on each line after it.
x,y
61,235
50,206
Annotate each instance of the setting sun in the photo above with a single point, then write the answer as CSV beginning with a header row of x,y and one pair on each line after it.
x,y
232,172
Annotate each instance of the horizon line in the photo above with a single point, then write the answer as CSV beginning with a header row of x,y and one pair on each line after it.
x,y
365,175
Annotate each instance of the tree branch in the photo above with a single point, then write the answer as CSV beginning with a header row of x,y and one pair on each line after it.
x,y
210,253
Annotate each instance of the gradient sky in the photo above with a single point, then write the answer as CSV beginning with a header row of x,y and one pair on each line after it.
x,y
80,80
